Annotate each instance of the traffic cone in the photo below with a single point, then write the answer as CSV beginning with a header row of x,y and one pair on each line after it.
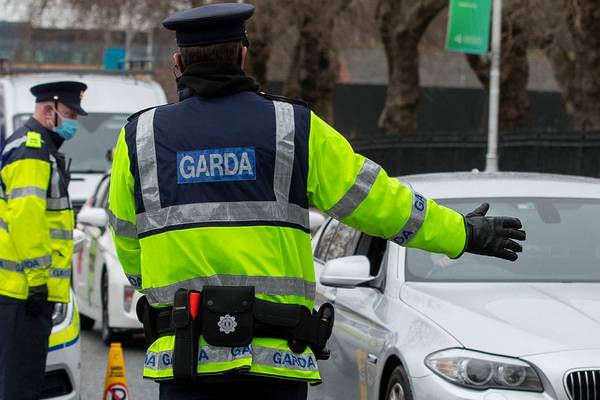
x,y
115,384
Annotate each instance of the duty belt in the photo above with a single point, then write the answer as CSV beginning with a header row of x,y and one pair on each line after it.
x,y
231,316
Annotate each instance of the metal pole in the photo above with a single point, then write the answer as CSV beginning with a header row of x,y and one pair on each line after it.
x,y
491,158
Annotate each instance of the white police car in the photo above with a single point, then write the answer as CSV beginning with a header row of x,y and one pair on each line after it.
x,y
102,291
61,381
419,326
63,363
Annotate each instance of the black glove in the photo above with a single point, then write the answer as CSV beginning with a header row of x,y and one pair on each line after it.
x,y
38,297
491,236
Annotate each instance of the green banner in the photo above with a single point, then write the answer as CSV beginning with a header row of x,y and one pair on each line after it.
x,y
469,26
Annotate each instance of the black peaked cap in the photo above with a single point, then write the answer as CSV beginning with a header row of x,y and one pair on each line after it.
x,y
210,24
69,93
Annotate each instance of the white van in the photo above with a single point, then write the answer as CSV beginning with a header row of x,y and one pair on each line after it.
x,y
109,100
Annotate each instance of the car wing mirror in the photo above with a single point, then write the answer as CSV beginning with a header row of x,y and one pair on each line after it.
x,y
346,272
93,216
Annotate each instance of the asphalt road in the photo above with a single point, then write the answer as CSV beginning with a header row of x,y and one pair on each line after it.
x,y
93,368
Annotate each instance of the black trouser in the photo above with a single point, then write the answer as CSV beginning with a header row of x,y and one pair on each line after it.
x,y
23,349
235,387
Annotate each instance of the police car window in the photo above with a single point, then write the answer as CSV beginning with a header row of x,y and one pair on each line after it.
x,y
343,243
101,195
374,249
104,202
325,240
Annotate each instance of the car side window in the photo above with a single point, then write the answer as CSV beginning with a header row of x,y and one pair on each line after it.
x,y
343,243
101,194
104,202
325,239
374,249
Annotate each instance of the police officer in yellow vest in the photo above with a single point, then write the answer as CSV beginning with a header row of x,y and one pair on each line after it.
x,y
209,200
36,235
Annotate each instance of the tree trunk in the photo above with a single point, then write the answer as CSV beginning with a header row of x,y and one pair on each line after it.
x,y
583,94
402,23
314,69
261,36
570,38
514,67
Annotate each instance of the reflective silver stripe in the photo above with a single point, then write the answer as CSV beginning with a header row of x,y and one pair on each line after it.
x,y
134,280
122,227
269,285
14,145
10,266
3,225
284,359
38,262
55,179
26,191
2,196
284,150
358,191
163,360
223,212
61,203
160,360
206,355
146,154
59,273
415,221
61,234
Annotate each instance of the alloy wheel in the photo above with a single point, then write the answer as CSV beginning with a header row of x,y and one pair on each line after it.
x,y
397,393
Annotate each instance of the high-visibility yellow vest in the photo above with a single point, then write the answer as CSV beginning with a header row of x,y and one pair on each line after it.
x,y
216,191
36,218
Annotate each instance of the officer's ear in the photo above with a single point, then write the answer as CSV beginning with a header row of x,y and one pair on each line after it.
x,y
178,60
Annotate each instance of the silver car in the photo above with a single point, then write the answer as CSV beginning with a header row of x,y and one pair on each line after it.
x,y
415,325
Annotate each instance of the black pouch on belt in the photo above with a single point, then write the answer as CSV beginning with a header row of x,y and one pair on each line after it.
x,y
227,318
147,315
187,335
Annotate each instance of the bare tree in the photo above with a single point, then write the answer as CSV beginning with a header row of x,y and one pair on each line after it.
x,y
314,69
514,70
402,23
570,38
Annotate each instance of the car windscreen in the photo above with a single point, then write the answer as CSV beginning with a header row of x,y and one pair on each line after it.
x,y
97,134
563,245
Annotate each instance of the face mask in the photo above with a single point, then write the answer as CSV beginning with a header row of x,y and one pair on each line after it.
x,y
67,129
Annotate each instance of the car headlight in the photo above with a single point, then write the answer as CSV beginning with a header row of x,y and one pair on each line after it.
x,y
60,313
483,371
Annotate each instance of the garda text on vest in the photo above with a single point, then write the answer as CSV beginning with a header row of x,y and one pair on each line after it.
x,y
216,165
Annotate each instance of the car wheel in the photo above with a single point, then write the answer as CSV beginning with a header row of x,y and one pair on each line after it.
x,y
108,334
398,387
86,323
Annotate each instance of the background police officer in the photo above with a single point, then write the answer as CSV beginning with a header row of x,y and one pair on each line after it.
x,y
36,236
214,190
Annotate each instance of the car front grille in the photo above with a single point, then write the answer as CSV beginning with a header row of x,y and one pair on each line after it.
x,y
583,384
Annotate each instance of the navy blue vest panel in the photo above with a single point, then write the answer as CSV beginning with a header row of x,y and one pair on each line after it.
x,y
221,149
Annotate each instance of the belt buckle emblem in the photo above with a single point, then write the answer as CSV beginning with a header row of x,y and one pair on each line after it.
x,y
227,324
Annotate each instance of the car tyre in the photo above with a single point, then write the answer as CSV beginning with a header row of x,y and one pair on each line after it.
x,y
108,334
398,387
86,323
